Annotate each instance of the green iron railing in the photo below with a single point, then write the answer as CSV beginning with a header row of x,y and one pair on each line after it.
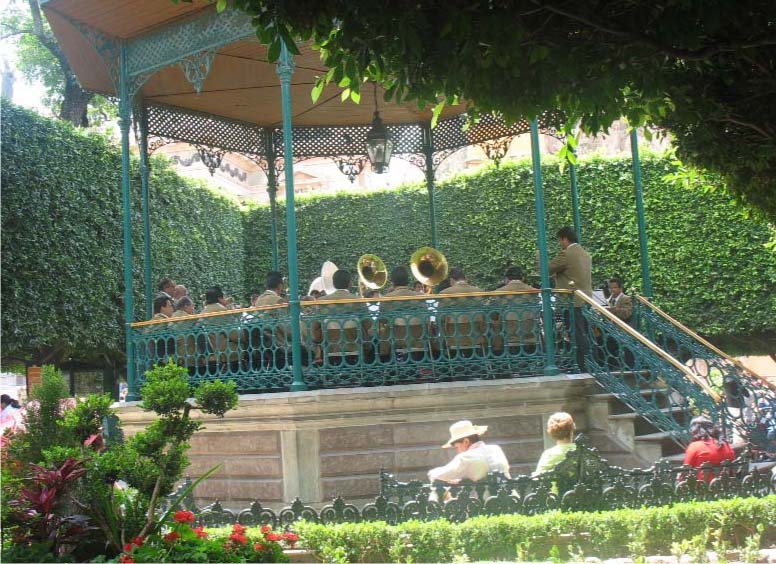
x,y
643,376
748,401
364,342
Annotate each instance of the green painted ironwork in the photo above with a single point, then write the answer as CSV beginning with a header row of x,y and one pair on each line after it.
x,y
646,279
125,117
748,407
285,71
364,342
653,384
141,133
583,481
544,265
428,153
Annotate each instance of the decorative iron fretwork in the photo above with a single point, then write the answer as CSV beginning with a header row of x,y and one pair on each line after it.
x,y
350,165
211,157
233,171
196,67
419,159
583,481
497,149
171,43
155,142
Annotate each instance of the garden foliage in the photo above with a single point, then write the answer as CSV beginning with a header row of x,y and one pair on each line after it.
x,y
62,276
634,532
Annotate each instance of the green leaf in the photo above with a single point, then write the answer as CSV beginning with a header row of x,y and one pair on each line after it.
x,y
345,94
315,93
274,51
436,112
355,96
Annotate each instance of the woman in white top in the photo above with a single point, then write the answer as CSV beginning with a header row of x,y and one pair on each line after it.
x,y
10,416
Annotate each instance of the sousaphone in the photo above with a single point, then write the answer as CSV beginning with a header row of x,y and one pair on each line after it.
x,y
372,272
429,266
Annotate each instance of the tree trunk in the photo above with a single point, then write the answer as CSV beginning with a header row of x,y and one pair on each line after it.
x,y
75,102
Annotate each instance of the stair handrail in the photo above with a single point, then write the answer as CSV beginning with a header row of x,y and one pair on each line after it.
x,y
650,345
682,327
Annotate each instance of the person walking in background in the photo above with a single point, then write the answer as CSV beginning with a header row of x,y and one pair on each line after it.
x,y
707,445
560,427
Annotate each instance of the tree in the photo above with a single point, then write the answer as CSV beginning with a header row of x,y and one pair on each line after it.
x,y
704,70
40,58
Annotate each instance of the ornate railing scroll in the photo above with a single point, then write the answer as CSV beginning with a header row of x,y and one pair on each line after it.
x,y
748,400
364,342
643,376
583,481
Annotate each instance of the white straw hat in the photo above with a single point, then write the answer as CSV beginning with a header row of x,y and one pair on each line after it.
x,y
463,429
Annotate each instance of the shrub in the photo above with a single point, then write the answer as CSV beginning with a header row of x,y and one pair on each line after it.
x,y
650,530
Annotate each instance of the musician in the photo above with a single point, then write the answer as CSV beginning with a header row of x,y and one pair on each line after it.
x,y
620,304
572,269
519,330
166,286
163,308
341,331
458,283
273,295
400,280
341,281
226,345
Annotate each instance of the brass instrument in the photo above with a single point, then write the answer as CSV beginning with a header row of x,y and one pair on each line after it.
x,y
428,266
324,282
372,273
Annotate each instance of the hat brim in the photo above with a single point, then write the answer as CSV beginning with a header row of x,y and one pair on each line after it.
x,y
476,430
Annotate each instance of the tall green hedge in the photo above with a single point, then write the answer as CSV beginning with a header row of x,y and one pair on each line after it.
x,y
709,265
62,275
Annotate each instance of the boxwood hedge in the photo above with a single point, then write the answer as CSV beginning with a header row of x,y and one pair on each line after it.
x,y
62,280
626,532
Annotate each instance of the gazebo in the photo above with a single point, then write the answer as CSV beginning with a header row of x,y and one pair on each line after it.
x,y
186,72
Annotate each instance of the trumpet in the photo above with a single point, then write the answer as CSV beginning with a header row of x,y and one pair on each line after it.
x,y
428,266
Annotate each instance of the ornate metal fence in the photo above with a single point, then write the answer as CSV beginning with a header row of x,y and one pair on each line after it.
x,y
582,482
748,404
363,342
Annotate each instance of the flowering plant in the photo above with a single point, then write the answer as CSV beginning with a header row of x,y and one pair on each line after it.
x,y
182,542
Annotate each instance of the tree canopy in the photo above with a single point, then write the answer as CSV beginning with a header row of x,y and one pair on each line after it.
x,y
705,70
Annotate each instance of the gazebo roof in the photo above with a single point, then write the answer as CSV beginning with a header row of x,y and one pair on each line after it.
x,y
237,81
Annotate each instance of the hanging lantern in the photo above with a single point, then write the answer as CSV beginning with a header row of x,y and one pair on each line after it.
x,y
379,145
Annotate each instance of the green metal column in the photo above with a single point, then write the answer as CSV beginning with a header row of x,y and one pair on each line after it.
x,y
272,190
428,152
144,172
646,280
575,202
550,368
285,71
125,113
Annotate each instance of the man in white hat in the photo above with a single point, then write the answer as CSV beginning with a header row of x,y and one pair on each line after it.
x,y
474,460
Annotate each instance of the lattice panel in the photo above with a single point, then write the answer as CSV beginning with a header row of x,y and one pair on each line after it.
x,y
449,134
349,140
202,129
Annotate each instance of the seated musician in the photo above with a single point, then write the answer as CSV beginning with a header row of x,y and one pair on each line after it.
x,y
519,328
620,304
474,460
400,280
187,350
463,333
273,339
221,342
184,306
273,294
163,308
341,335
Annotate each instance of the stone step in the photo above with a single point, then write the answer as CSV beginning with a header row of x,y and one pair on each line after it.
x,y
635,415
610,395
655,437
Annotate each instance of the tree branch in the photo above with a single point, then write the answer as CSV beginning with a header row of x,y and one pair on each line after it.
x,y
16,32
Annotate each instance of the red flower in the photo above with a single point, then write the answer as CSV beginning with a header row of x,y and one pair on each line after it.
x,y
274,537
238,537
291,538
128,547
184,517
258,547
200,532
138,541
266,529
239,529
126,558
169,537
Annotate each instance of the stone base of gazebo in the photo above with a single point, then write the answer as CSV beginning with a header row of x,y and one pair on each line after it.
x,y
317,445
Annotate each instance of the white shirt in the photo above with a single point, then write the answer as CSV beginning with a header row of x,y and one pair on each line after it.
x,y
472,464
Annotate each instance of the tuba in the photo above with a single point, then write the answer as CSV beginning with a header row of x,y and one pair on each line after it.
x,y
372,272
429,266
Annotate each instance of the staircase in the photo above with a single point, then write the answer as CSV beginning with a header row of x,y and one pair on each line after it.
x,y
655,379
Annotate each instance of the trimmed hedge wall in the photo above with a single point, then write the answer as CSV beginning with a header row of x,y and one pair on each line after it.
x,y
710,268
62,276
626,532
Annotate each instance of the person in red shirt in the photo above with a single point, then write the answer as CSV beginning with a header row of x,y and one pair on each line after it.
x,y
707,446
